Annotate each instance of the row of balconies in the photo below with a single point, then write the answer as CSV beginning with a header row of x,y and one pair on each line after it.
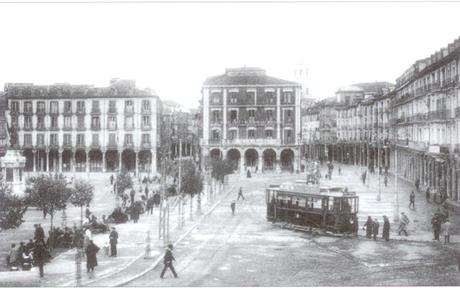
x,y
430,116
83,128
252,121
78,112
83,146
254,141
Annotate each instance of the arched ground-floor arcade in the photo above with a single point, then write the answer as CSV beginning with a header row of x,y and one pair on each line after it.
x,y
92,160
258,159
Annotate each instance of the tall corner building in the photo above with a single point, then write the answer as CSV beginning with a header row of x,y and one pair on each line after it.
x,y
252,119
82,128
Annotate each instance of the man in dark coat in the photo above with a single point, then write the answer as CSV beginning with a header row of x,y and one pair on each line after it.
x,y
39,255
113,242
233,206
167,261
417,184
39,235
111,179
436,222
386,228
375,228
240,194
369,225
412,200
91,258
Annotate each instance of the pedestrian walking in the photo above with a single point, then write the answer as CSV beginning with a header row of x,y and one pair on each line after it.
x,y
368,226
427,193
150,204
113,242
339,170
446,231
167,261
412,200
404,221
386,228
45,212
39,256
436,224
146,192
417,185
91,256
375,228
233,206
39,235
111,179
240,194
363,177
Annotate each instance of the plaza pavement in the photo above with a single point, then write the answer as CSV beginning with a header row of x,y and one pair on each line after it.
x,y
130,262
131,248
247,250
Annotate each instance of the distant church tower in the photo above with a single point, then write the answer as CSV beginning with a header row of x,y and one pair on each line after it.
x,y
301,76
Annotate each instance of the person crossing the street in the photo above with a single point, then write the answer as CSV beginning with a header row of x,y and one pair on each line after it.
x,y
412,200
240,194
167,261
233,206
113,242
403,225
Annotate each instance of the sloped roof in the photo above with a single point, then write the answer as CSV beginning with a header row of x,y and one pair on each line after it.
x,y
246,76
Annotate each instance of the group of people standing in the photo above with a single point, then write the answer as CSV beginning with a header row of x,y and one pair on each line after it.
x,y
372,228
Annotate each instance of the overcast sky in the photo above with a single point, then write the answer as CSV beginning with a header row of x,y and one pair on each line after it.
x,y
172,48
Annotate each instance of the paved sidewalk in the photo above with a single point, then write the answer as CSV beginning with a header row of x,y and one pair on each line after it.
x,y
131,250
420,227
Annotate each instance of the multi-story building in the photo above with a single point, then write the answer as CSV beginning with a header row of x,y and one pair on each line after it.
x,y
252,119
82,128
426,118
3,125
363,127
322,137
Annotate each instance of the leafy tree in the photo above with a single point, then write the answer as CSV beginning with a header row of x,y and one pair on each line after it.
x,y
49,193
81,195
12,208
221,168
123,182
192,182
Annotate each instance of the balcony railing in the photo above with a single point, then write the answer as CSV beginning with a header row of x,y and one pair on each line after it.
x,y
256,141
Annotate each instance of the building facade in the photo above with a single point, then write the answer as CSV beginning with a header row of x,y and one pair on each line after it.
x,y
363,131
321,135
82,128
252,119
426,116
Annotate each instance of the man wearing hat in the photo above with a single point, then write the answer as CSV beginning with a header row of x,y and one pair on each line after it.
x,y
113,242
167,260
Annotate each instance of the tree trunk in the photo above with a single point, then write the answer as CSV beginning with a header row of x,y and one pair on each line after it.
x,y
51,244
191,206
81,216
198,207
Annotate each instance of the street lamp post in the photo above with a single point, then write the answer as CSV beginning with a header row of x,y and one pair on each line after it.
x,y
396,210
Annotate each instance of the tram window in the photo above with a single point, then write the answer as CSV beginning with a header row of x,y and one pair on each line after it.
x,y
331,203
317,203
346,204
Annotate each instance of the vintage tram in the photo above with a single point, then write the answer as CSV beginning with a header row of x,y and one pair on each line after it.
x,y
332,209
